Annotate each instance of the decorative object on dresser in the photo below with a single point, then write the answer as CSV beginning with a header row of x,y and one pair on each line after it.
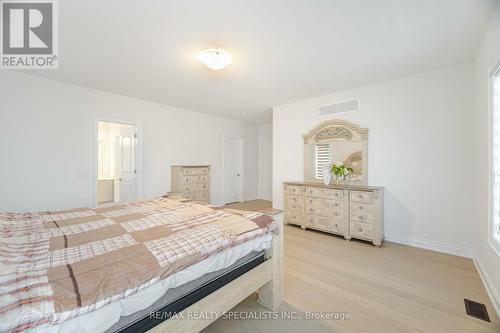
x,y
353,211
336,142
193,181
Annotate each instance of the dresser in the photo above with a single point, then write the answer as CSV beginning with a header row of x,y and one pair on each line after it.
x,y
352,211
193,181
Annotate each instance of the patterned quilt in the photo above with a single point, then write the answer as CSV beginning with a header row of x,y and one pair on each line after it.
x,y
58,265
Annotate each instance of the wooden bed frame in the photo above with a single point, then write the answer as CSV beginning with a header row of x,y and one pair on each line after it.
x,y
266,279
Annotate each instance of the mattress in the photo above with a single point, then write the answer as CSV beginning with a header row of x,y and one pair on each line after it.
x,y
73,264
114,316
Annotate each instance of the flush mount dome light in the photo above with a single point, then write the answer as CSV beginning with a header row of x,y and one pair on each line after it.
x,y
215,58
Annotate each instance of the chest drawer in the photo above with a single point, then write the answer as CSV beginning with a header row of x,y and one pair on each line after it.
x,y
195,171
361,230
362,212
324,193
292,189
201,196
191,179
325,223
361,196
294,217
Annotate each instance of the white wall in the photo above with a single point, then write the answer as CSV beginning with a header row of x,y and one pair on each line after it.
x,y
46,142
265,174
251,162
418,149
487,260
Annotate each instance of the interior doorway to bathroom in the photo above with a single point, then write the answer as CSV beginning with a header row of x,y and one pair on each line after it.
x,y
117,162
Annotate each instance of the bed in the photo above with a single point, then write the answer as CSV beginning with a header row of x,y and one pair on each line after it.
x,y
149,265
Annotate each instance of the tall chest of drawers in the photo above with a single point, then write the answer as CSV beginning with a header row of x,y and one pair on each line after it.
x,y
193,181
348,210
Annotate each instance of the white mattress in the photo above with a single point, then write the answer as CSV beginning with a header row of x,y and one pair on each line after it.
x,y
102,319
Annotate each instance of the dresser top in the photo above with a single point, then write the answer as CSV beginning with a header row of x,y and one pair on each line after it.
x,y
192,166
338,187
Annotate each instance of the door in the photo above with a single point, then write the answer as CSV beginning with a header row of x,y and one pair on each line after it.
x,y
125,180
232,169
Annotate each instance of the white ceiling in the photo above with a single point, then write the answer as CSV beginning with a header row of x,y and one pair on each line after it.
x,y
283,50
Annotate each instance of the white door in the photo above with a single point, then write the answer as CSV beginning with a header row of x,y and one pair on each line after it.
x,y
266,165
125,164
232,170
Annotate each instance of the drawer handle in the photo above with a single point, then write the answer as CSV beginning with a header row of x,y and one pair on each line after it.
x,y
360,196
294,199
295,190
335,214
360,230
336,205
294,217
310,191
310,209
310,201
336,226
360,207
360,217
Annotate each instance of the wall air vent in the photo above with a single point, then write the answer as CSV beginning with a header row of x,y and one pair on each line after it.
x,y
342,107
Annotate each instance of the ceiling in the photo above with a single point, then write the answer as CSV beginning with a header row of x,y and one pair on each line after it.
x,y
283,50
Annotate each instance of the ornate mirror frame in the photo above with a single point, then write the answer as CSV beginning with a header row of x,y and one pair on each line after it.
x,y
337,130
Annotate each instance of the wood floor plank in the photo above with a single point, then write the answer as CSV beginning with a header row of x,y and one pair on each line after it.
x,y
394,288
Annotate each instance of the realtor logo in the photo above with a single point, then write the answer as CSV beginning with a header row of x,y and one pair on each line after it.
x,y
29,34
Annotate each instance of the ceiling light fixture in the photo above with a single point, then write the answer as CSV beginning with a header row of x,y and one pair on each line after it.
x,y
215,59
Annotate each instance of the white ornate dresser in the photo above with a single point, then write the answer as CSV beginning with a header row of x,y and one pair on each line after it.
x,y
350,208
193,181
353,211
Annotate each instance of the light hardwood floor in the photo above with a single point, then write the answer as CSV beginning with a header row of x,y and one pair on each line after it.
x,y
394,288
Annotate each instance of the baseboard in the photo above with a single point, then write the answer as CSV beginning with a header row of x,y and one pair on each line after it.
x,y
488,285
427,244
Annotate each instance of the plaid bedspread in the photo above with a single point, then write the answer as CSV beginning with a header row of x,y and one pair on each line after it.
x,y
58,265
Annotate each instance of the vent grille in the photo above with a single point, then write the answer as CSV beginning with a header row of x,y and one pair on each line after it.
x,y
349,106
476,309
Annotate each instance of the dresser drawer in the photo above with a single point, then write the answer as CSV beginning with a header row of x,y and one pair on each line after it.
x,y
292,217
324,193
293,189
361,212
361,230
324,207
294,202
324,223
325,212
361,196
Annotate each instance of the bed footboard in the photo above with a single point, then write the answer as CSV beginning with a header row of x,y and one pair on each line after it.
x,y
266,279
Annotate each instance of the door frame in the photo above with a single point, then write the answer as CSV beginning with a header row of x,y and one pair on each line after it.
x,y
138,156
242,166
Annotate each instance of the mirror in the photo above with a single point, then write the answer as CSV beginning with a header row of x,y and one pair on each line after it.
x,y
336,141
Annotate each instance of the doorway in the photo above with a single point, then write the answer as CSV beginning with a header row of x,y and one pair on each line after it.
x,y
232,169
116,162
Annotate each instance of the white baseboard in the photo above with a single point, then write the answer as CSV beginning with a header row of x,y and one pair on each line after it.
x,y
488,285
460,251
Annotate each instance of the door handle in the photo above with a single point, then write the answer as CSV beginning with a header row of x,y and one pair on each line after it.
x,y
238,175
120,179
